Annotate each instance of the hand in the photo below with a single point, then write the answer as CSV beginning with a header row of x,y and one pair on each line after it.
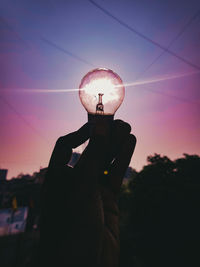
x,y
80,217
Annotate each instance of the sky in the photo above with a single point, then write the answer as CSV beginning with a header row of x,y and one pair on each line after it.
x,y
51,45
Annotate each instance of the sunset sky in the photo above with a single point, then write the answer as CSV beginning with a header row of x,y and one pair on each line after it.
x,y
51,45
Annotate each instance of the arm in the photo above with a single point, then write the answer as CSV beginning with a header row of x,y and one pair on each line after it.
x,y
79,220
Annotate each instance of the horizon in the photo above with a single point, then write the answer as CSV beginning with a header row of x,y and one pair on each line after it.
x,y
147,163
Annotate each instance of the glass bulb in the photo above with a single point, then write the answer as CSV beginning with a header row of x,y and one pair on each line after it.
x,y
101,91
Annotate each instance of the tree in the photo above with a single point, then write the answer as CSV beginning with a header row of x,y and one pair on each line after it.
x,y
163,207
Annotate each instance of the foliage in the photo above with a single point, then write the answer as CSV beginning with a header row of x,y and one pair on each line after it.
x,y
162,203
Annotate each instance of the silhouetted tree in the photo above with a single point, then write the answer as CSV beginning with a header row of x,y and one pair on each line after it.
x,y
164,199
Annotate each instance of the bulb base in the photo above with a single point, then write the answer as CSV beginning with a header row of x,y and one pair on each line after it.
x,y
100,124
95,118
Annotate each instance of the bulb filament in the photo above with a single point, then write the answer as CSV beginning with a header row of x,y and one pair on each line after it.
x,y
99,106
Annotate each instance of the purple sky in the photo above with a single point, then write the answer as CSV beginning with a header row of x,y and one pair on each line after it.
x,y
163,112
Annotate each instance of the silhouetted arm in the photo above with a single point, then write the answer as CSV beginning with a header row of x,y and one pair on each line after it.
x,y
79,218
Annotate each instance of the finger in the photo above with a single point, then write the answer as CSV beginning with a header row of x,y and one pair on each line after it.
x,y
99,146
93,157
121,128
63,149
101,149
121,162
91,164
120,131
99,153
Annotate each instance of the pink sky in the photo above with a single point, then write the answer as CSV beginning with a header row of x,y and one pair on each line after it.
x,y
30,123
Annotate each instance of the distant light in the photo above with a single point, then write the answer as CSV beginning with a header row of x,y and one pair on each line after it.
x,y
105,172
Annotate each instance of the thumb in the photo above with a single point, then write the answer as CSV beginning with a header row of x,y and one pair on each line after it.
x,y
62,152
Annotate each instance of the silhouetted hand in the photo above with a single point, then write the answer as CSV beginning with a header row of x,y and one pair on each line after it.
x,y
79,216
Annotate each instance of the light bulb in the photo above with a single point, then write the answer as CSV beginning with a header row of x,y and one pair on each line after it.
x,y
101,92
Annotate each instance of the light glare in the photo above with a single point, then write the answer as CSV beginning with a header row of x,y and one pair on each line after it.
x,y
101,85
